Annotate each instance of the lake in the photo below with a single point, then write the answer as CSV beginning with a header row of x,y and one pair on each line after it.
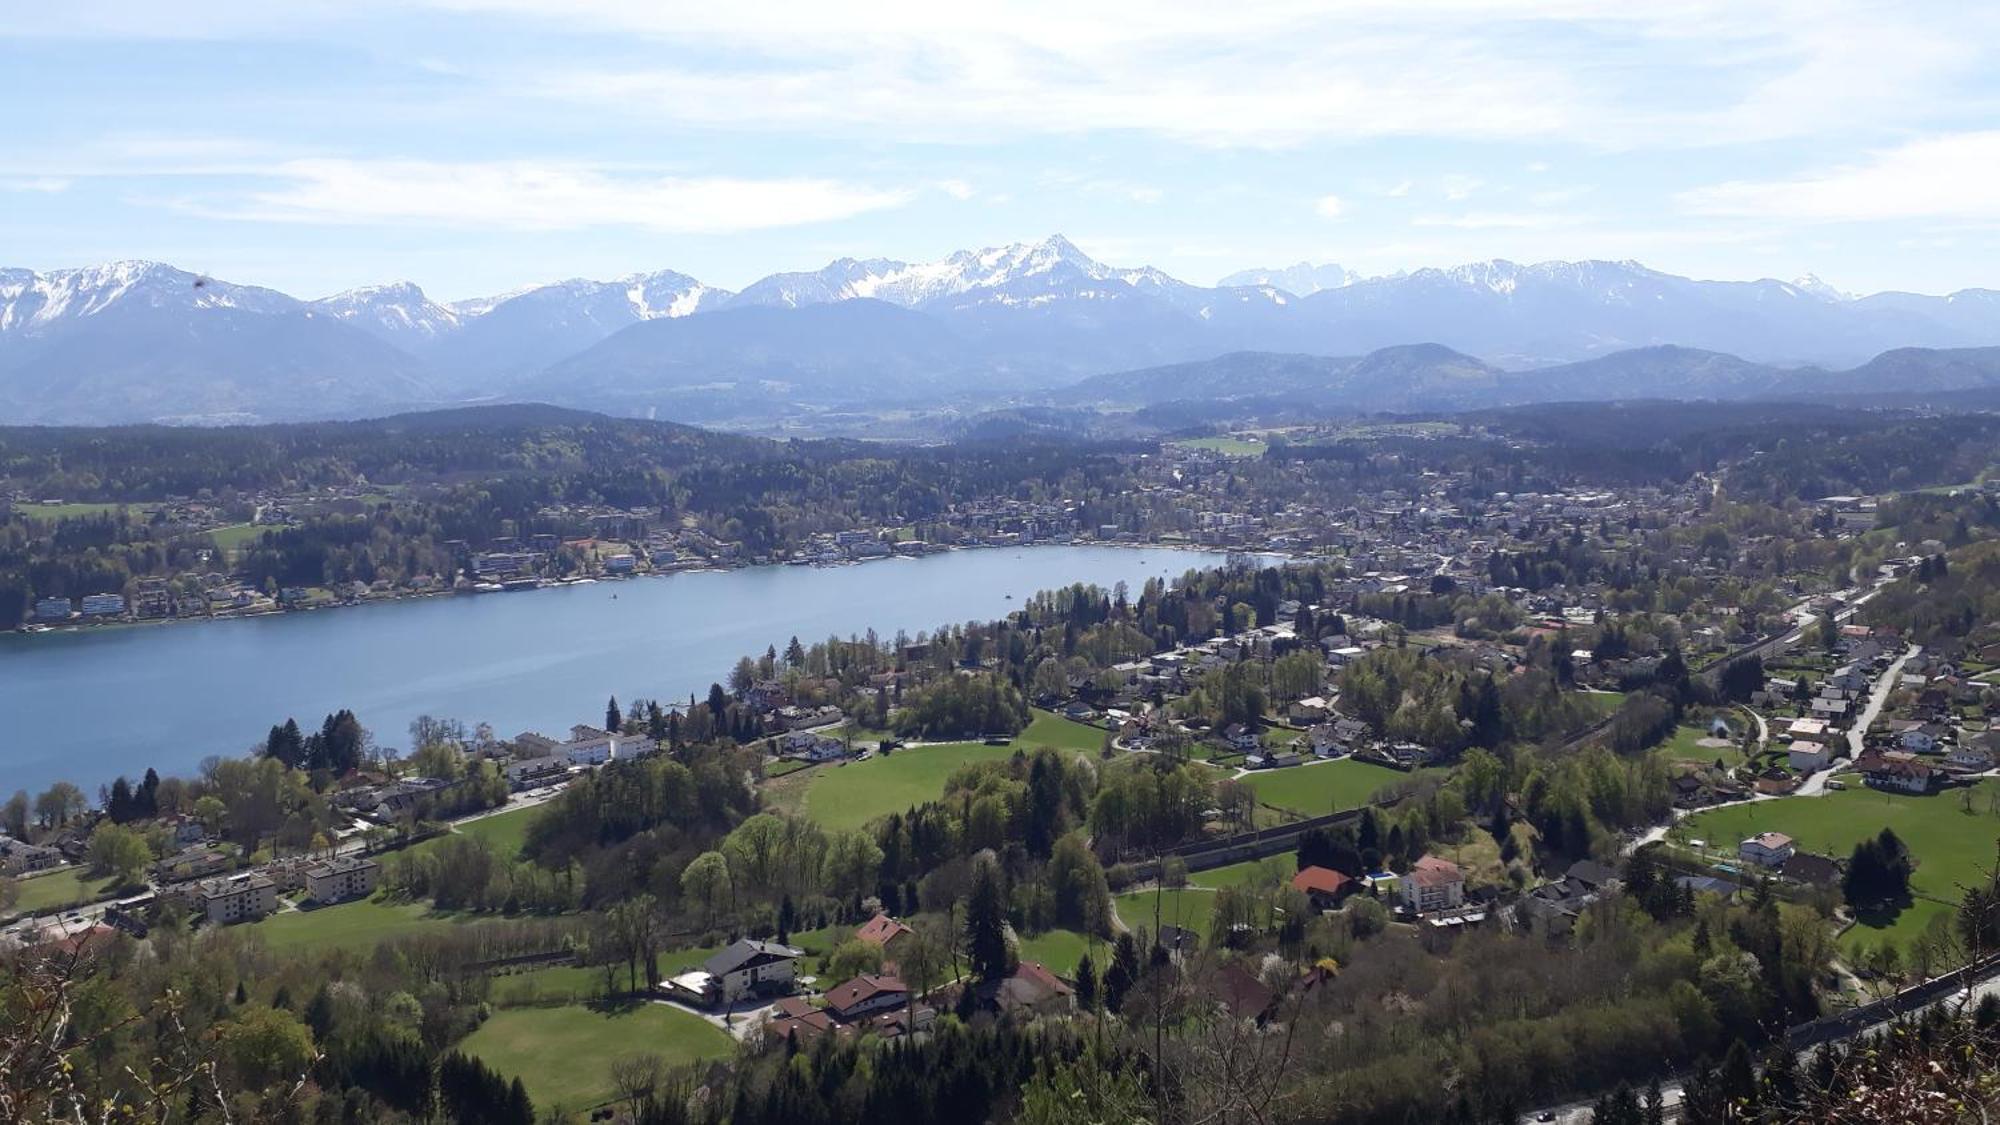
x,y
89,705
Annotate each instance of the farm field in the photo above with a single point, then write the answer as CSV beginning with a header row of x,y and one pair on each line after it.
x,y
564,1055
1953,848
1318,788
50,513
1227,446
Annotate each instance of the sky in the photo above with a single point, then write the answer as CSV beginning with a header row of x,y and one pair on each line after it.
x,y
476,146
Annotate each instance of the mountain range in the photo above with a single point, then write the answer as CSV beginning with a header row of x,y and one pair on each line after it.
x,y
139,341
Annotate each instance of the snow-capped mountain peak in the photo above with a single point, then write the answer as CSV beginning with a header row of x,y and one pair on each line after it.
x,y
397,312
33,302
1809,283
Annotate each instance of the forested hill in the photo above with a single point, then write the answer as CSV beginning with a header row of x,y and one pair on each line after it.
x,y
154,462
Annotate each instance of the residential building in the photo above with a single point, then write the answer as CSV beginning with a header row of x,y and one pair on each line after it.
x,y
883,931
342,878
865,995
1808,757
54,609
1030,990
1432,884
103,605
747,967
1324,886
244,899
1766,849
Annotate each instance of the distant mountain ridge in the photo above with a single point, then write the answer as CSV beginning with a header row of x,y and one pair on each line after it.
x,y
135,341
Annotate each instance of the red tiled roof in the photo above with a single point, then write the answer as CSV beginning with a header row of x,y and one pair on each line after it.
x,y
865,987
881,930
1431,871
1324,880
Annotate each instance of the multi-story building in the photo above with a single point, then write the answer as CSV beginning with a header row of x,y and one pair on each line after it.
x,y
342,878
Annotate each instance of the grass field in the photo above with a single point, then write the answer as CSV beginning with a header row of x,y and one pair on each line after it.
x,y
564,1055
852,795
50,513
1227,446
1248,873
1060,951
1052,730
1189,909
572,984
1317,788
507,832
1686,746
1602,702
1953,848
56,890
235,535
353,925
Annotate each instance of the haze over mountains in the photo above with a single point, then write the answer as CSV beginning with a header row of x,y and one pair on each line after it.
x,y
1029,322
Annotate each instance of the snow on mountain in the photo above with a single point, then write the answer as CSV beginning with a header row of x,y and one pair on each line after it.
x,y
1302,279
398,313
1808,283
36,303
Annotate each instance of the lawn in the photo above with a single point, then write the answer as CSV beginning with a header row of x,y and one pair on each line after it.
x,y
1953,848
1686,746
507,832
1189,909
1602,702
1317,788
353,925
235,535
850,796
572,984
57,890
1251,872
1060,951
564,1055
49,513
1227,446
1052,730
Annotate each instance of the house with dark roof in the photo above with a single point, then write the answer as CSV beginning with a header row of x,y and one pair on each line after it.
x,y
745,968
865,995
1030,990
882,931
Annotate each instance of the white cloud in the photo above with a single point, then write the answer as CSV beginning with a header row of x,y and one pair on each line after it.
x,y
42,185
1328,206
528,195
1948,177
1458,186
1500,220
957,189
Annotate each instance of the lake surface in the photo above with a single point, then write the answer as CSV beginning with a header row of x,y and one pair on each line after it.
x,y
87,706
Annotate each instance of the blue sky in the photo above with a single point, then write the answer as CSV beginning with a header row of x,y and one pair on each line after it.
x,y
474,146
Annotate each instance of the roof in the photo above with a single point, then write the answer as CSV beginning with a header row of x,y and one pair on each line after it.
x,y
881,930
1771,840
863,988
1030,984
1320,880
1431,871
746,952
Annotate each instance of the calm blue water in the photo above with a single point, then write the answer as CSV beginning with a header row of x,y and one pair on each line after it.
x,y
90,705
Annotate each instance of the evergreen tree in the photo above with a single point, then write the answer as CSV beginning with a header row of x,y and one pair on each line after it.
x,y
613,720
1086,983
986,925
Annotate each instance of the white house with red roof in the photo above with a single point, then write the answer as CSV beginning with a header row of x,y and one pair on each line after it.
x,y
1433,883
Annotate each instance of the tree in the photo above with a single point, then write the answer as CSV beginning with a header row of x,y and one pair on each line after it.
x,y
986,925
266,1046
638,1079
442,760
613,721
119,852
58,805
1086,983
1123,973
706,881
14,815
852,958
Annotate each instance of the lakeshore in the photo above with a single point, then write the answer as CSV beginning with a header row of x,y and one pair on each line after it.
x,y
89,704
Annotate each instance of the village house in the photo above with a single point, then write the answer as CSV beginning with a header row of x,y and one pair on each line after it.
x,y
18,857
1323,886
865,995
883,931
1808,757
1030,990
746,967
1553,908
1896,772
1766,849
